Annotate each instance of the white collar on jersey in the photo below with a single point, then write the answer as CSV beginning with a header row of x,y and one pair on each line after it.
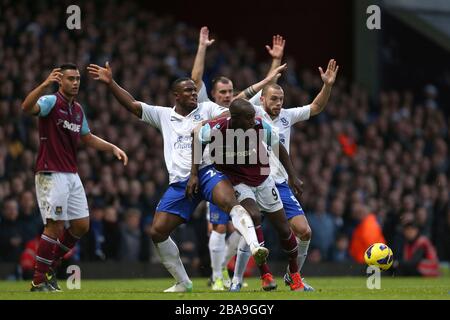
x,y
179,116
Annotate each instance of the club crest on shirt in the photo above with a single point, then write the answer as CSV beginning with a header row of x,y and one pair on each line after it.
x,y
197,118
214,216
58,210
77,117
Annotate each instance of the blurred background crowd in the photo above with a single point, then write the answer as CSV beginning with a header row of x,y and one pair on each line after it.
x,y
384,157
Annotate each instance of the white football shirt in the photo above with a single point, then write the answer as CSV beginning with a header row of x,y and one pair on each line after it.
x,y
176,131
283,123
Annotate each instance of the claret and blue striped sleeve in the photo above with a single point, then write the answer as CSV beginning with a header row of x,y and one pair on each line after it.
x,y
271,136
46,104
205,134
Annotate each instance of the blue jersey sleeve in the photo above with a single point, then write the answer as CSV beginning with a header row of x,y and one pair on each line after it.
x,y
84,126
46,104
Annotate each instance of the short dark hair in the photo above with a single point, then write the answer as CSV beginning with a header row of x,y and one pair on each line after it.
x,y
270,85
175,84
237,105
68,66
220,79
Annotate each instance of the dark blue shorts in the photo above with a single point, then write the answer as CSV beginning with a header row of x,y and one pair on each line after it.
x,y
174,200
217,216
291,205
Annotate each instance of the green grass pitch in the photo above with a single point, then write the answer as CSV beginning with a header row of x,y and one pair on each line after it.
x,y
151,289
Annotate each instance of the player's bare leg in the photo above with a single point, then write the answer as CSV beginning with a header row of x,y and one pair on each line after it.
x,y
224,198
289,244
163,225
45,256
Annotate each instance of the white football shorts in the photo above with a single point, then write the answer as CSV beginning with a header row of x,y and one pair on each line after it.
x,y
61,196
266,195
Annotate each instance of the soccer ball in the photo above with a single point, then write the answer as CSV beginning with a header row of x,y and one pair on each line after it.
x,y
379,255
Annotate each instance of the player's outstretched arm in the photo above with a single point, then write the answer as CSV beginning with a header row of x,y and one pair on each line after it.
x,y
95,142
276,52
124,97
199,63
253,89
328,78
29,105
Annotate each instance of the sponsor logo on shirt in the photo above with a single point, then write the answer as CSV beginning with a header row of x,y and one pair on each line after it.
x,y
284,122
69,126
183,143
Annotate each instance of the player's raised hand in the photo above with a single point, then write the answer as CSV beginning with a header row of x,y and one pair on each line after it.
x,y
277,50
329,76
296,186
100,73
276,73
55,76
204,37
120,154
192,186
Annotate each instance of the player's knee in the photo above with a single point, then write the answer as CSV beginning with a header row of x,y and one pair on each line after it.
x,y
308,233
284,231
158,234
79,230
54,229
220,228
256,218
304,232
228,204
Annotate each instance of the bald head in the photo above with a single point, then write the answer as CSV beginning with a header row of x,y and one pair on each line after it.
x,y
242,114
240,106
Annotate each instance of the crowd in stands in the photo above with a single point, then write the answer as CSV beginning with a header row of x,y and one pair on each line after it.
x,y
384,158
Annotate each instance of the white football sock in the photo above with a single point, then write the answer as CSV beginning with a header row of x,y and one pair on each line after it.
x,y
303,246
217,252
170,258
243,223
243,255
231,247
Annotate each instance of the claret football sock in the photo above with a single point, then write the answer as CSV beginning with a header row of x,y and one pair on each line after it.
x,y
289,246
44,258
